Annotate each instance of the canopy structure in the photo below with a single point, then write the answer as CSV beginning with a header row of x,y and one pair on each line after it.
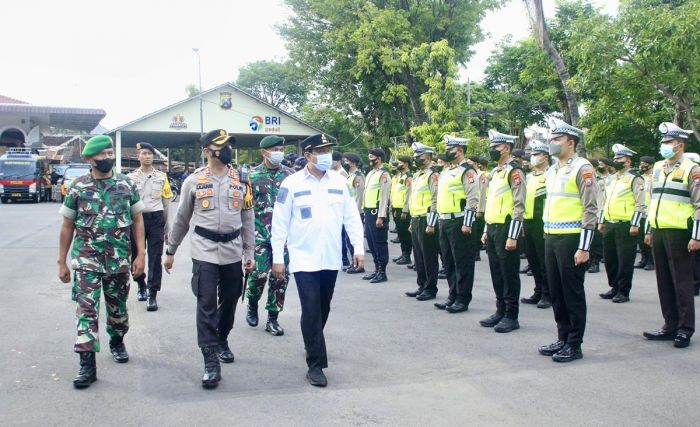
x,y
227,107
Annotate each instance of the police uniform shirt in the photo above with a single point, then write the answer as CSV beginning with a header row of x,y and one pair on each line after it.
x,y
483,188
359,184
638,186
693,187
384,190
154,189
308,217
215,203
587,190
647,189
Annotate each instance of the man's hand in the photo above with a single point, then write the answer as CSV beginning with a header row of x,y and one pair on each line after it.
x,y
581,257
511,244
380,223
139,265
248,267
429,230
601,227
63,272
693,245
168,263
358,262
647,239
466,230
634,231
484,238
278,270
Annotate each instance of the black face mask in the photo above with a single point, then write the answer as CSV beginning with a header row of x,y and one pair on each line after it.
x,y
602,170
104,165
372,162
419,162
644,168
438,169
224,155
526,169
495,155
618,165
450,156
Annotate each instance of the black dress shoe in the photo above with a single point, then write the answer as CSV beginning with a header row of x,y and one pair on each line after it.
x,y
649,267
141,294
682,340
316,377
491,321
609,294
619,298
370,276
443,305
545,302
118,350
478,257
425,296
551,349
403,261
88,370
212,368
224,352
530,300
152,304
457,307
529,273
594,268
397,258
397,240
411,267
660,335
568,354
345,267
273,327
506,325
415,293
379,277
252,316
355,270
641,264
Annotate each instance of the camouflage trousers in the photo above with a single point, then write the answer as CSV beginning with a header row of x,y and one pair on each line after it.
x,y
261,275
87,287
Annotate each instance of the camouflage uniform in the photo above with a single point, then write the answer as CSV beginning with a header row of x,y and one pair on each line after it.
x,y
102,211
266,184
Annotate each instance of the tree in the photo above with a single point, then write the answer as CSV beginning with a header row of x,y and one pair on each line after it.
x,y
281,84
192,90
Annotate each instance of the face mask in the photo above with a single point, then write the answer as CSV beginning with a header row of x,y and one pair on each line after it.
x,y
104,165
526,169
450,156
666,151
276,157
419,162
618,165
324,161
495,155
554,150
536,160
644,168
224,155
602,170
372,162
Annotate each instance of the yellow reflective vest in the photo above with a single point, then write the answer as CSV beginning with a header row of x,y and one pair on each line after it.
x,y
499,197
372,188
670,205
398,190
619,198
563,209
535,187
420,200
451,197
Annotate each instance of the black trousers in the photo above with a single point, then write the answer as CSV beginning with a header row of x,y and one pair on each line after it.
x,y
566,286
425,255
674,278
47,194
217,288
315,294
377,239
403,233
644,249
597,247
620,251
459,255
154,228
534,250
504,266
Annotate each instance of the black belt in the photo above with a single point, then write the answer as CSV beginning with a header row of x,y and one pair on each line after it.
x,y
152,215
217,237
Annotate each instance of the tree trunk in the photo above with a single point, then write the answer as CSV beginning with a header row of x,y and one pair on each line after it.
x,y
539,28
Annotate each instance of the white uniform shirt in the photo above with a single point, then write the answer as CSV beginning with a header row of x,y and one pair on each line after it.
x,y
309,216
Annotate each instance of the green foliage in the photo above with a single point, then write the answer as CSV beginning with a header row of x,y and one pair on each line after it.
x,y
281,84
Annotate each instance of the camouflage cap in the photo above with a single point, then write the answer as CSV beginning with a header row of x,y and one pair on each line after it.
x,y
96,144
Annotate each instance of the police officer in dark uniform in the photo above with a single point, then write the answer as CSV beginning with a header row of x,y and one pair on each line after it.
x,y
399,188
646,166
376,204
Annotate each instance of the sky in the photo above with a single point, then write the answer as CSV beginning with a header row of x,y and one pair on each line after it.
x,y
131,58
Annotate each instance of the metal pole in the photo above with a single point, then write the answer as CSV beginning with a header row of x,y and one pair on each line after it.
x,y
469,101
201,108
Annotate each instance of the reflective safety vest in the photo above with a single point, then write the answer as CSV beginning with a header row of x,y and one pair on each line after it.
x,y
372,187
647,191
398,190
499,197
670,205
420,200
351,183
535,187
619,199
451,197
563,209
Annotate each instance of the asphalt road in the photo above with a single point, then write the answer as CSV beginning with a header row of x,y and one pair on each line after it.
x,y
393,360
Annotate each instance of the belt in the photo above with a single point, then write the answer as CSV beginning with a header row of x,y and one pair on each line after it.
x,y
617,222
152,215
217,237
451,215
419,216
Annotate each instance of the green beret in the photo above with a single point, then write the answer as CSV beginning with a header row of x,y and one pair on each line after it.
x,y
96,144
271,141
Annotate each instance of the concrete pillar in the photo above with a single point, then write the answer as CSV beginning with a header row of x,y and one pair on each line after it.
x,y
118,150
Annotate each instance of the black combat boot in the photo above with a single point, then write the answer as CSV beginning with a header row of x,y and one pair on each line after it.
x,y
212,368
152,304
224,352
380,276
404,260
141,294
272,326
118,349
88,370
370,276
252,316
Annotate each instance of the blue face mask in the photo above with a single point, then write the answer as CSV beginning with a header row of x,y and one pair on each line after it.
x,y
666,151
324,161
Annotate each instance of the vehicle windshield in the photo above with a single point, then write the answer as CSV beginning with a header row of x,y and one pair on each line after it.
x,y
17,169
75,172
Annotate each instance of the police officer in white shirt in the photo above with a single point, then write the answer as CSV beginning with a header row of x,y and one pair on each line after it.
x,y
311,209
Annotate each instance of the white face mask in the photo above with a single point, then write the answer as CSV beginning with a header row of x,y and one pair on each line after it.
x,y
276,157
537,160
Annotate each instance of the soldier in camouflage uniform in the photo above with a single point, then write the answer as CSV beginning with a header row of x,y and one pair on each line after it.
x,y
266,180
100,208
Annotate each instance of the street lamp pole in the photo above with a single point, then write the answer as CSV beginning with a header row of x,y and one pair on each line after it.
x,y
201,107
